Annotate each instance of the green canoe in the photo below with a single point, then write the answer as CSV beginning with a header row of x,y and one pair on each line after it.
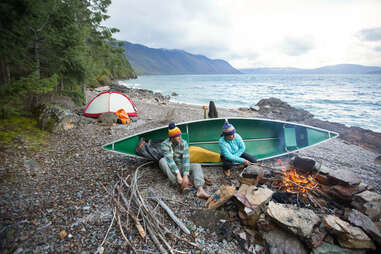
x,y
263,138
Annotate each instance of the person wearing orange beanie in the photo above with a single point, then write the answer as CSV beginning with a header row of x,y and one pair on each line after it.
x,y
176,165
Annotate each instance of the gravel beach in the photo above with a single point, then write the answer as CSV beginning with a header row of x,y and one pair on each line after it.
x,y
55,201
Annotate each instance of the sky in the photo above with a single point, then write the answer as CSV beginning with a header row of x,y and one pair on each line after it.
x,y
256,33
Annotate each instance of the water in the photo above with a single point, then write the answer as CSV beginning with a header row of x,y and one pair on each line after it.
x,y
353,100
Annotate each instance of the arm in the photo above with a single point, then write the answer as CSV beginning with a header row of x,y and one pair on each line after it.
x,y
224,147
168,154
241,145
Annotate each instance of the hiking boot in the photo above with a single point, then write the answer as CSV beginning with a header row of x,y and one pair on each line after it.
x,y
227,172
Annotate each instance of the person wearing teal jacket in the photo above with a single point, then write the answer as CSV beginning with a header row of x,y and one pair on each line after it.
x,y
233,149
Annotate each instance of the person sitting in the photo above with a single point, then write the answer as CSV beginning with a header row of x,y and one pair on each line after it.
x,y
176,165
233,149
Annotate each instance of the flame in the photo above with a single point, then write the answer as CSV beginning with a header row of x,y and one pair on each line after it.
x,y
294,182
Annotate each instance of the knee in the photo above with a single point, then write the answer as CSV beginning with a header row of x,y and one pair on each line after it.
x,y
162,162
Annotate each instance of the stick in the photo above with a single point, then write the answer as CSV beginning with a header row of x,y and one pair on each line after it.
x,y
170,213
133,217
108,230
155,240
124,236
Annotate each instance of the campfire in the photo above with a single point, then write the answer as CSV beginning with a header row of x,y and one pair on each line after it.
x,y
293,182
316,204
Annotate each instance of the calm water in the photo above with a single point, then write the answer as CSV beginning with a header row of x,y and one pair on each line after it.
x,y
354,100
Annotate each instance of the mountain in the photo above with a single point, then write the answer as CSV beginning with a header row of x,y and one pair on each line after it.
x,y
332,69
145,60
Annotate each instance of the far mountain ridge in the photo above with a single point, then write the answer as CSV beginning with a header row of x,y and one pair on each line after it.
x,y
330,69
151,61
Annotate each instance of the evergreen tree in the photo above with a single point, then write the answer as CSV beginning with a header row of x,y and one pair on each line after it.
x,y
54,45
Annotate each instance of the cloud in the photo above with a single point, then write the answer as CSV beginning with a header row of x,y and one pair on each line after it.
x,y
370,34
256,33
297,46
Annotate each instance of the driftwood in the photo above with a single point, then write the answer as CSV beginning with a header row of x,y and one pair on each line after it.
x,y
132,210
133,217
170,213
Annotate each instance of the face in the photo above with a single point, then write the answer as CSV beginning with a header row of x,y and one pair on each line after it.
x,y
176,140
229,137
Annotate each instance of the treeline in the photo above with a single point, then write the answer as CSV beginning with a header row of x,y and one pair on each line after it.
x,y
55,47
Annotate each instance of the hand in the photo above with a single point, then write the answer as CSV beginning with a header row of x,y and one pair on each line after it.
x,y
180,179
246,163
186,182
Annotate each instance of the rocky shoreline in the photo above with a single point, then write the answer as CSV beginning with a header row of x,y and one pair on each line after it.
x,y
56,200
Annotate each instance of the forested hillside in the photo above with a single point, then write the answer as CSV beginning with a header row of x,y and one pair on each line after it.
x,y
55,47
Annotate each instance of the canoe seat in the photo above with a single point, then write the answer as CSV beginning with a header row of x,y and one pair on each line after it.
x,y
289,139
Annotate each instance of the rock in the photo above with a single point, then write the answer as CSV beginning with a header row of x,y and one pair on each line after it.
x,y
326,248
108,118
32,167
276,109
279,242
378,159
369,203
55,118
348,236
174,94
252,202
254,174
360,220
330,176
212,110
343,193
255,108
62,234
300,221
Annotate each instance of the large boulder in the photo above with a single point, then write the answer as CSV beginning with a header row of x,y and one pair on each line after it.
x,y
108,118
56,118
274,108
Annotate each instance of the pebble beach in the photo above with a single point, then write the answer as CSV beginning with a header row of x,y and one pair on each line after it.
x,y
65,187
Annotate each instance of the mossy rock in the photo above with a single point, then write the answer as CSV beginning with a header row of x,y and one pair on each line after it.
x,y
55,118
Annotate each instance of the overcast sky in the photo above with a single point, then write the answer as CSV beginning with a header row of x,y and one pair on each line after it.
x,y
257,33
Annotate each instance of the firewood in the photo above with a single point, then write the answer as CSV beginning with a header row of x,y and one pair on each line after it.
x,y
170,213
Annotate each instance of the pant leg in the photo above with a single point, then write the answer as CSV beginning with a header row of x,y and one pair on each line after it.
x,y
163,164
226,164
196,175
248,157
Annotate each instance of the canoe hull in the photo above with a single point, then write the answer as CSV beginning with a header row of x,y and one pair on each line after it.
x,y
263,138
